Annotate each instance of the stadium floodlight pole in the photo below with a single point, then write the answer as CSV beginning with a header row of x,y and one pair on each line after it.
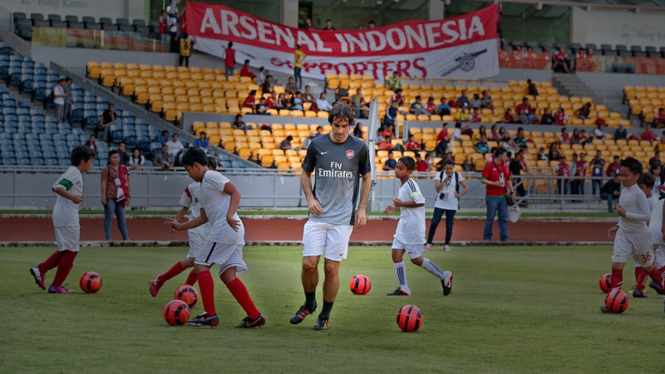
x,y
374,124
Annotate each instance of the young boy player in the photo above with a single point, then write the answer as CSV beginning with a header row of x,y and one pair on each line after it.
x,y
219,199
645,183
69,189
410,234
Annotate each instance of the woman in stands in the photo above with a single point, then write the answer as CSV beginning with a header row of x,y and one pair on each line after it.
x,y
564,138
584,111
560,117
547,118
281,102
250,101
115,194
494,134
554,154
481,132
475,102
504,136
508,116
136,161
575,139
486,101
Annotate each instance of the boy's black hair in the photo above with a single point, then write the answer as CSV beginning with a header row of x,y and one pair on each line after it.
x,y
647,179
409,162
632,164
194,155
449,161
289,138
238,116
211,163
81,153
246,61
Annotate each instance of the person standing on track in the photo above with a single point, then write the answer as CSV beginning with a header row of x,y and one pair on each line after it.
x,y
340,161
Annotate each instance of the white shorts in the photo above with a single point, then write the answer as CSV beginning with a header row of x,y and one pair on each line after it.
x,y
636,244
319,237
225,255
197,240
659,251
68,238
413,250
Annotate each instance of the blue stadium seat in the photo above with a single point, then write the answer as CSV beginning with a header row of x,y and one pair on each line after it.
x,y
37,161
237,165
91,119
8,161
39,90
117,136
77,112
15,76
23,162
51,162
96,162
131,141
65,161
226,163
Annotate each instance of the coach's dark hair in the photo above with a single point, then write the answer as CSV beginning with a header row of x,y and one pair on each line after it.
x,y
194,155
647,179
211,163
81,153
341,111
409,162
632,164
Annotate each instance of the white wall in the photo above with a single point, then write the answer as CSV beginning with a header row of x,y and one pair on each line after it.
x,y
616,26
95,8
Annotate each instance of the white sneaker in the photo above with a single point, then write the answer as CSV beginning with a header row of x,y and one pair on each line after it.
x,y
428,246
446,248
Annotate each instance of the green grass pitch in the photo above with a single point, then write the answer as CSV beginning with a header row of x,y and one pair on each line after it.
x,y
512,310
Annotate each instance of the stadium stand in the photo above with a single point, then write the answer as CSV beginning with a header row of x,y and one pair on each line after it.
x,y
23,25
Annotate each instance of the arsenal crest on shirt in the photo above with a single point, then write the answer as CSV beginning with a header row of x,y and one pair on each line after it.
x,y
349,153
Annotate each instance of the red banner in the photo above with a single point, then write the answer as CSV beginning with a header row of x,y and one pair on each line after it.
x,y
525,60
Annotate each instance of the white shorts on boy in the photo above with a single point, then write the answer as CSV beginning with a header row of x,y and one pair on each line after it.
x,y
68,238
333,240
224,255
413,250
659,252
636,244
197,240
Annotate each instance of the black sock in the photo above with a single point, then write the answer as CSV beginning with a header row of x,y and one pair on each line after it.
x,y
310,299
327,307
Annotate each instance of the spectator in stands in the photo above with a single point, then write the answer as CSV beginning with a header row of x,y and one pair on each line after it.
x,y
599,132
659,118
319,131
322,103
162,29
457,133
105,121
520,140
580,173
508,116
486,101
281,102
475,102
481,131
522,116
288,105
297,101
298,58
329,26
175,148
422,166
230,61
136,161
463,101
554,154
648,134
564,138
430,107
307,96
462,115
516,165
173,27
657,171
542,156
443,109
563,171
371,25
560,117
397,97
660,146
67,114
496,176
164,160
620,133
358,101
250,100
575,138
443,134
531,88
90,143
481,146
122,152
341,93
561,59
394,83
579,56
308,141
391,114
614,167
525,105
262,107
494,134
417,107
203,142
611,191
246,72
546,118
475,116
386,144
584,111
59,99
358,130
390,163
597,168
115,194
165,137
261,78
309,26
285,145
186,46
412,144
388,131
291,87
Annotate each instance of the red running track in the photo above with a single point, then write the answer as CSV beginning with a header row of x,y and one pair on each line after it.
x,y
41,229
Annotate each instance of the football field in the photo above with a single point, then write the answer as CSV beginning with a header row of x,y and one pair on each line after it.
x,y
512,310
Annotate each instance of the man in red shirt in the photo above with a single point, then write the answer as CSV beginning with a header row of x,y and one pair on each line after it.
x,y
386,144
613,168
525,106
229,60
412,145
443,135
421,165
563,170
580,171
647,134
561,59
660,117
245,72
397,97
496,178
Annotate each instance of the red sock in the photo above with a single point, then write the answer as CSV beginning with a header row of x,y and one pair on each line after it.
x,y
50,262
239,291
173,271
657,276
64,267
617,279
191,278
641,277
207,288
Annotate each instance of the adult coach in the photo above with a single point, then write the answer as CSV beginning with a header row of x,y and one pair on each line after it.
x,y
496,178
340,162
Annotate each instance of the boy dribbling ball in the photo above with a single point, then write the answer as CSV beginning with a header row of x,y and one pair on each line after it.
x,y
69,189
410,234
631,236
645,183
196,236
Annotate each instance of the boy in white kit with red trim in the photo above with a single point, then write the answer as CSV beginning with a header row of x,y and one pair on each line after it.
x,y
410,234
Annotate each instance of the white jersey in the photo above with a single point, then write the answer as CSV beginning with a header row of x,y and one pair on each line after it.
x,y
656,223
65,212
216,202
636,204
449,201
411,225
190,199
